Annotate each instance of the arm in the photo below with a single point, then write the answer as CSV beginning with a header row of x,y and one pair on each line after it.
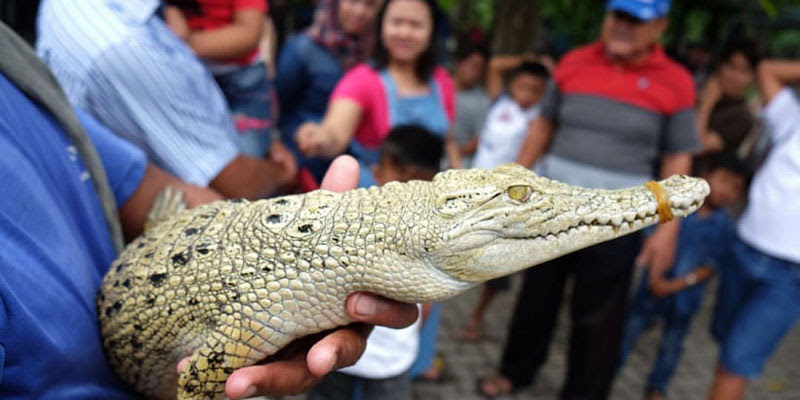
x,y
709,96
666,287
257,178
331,137
774,75
230,41
540,133
658,250
498,66
451,149
134,212
469,148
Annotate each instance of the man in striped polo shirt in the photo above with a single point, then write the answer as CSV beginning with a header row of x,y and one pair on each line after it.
x,y
618,113
118,60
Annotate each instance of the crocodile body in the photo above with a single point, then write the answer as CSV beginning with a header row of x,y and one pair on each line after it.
x,y
230,283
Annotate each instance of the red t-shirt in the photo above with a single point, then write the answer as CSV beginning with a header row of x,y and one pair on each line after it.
x,y
214,14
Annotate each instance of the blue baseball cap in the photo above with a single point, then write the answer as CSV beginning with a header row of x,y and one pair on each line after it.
x,y
645,10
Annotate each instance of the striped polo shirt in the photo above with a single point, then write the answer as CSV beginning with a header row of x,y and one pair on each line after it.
x,y
613,122
117,60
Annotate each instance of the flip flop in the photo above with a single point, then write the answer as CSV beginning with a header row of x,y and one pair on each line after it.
x,y
494,386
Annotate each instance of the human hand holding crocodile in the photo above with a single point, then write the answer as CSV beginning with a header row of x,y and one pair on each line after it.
x,y
297,370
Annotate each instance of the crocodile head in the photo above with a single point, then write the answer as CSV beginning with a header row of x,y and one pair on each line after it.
x,y
499,221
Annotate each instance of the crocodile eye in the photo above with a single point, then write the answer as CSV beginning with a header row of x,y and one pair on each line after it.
x,y
520,193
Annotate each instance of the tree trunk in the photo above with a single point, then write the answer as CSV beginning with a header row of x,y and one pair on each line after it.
x,y
516,26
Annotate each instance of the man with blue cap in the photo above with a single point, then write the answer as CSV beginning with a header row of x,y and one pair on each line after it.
x,y
618,113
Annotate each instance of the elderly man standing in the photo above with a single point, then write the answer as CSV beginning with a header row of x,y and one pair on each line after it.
x,y
119,61
619,113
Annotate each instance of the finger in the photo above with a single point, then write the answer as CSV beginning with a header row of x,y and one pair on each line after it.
x,y
279,378
342,175
378,310
339,349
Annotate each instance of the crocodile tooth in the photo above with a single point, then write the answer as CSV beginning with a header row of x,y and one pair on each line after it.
x,y
602,219
629,216
616,220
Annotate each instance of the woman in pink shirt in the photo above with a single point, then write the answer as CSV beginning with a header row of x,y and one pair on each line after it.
x,y
403,85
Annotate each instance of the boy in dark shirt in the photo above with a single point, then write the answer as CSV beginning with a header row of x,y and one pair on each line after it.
x,y
703,241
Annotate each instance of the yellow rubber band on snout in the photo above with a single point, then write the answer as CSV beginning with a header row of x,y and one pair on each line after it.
x,y
664,210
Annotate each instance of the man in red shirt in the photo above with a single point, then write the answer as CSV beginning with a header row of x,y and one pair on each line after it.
x,y
619,113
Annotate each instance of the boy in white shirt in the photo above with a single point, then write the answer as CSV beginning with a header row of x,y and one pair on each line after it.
x,y
501,138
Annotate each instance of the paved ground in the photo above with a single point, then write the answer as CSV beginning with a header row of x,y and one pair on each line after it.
x,y
466,362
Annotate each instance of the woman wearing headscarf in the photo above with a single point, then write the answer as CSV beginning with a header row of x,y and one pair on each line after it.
x,y
312,62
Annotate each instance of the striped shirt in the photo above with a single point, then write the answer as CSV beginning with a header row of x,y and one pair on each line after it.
x,y
614,123
120,62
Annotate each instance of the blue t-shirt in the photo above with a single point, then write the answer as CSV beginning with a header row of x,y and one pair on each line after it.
x,y
703,240
54,249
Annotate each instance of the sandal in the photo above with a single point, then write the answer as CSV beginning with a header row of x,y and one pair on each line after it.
x,y
653,394
495,385
436,372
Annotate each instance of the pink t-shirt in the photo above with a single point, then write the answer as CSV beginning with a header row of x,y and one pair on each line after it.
x,y
364,85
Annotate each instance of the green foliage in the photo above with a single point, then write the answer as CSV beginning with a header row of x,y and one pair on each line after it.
x,y
574,22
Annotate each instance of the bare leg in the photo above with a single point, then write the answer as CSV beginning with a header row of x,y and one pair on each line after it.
x,y
474,329
727,386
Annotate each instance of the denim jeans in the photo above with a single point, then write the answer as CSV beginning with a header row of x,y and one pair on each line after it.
x,y
758,303
253,105
644,311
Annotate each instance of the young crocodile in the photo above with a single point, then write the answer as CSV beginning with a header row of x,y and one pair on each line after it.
x,y
233,282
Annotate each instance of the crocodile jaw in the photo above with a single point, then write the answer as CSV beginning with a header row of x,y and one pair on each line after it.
x,y
573,224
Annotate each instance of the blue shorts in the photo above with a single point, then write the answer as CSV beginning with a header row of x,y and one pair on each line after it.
x,y
757,304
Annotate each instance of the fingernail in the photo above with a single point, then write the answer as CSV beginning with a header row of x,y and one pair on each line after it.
x,y
365,306
250,392
330,363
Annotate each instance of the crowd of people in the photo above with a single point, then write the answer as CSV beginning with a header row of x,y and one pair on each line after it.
x,y
120,99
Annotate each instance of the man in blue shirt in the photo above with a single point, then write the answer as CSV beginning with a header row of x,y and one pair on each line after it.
x,y
57,241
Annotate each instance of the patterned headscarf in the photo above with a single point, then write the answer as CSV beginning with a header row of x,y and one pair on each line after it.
x,y
326,31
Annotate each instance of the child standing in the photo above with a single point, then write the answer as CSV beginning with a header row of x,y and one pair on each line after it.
x,y
704,239
226,34
501,137
382,373
472,101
